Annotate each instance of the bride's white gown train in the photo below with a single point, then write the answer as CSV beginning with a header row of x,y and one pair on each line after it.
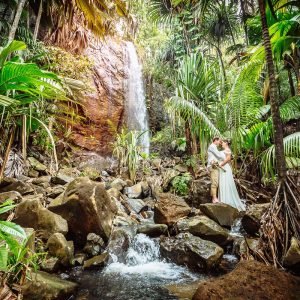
x,y
227,189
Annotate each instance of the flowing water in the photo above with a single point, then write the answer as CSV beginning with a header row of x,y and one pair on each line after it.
x,y
136,110
142,275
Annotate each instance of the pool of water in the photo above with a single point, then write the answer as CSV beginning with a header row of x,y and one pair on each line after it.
x,y
143,275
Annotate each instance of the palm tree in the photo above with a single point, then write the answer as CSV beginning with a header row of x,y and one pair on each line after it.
x,y
274,101
281,220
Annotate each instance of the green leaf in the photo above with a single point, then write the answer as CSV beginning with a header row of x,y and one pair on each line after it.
x,y
12,47
12,229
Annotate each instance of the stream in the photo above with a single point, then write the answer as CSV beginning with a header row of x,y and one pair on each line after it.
x,y
143,275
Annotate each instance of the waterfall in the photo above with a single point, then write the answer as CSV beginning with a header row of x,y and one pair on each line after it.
x,y
143,257
135,109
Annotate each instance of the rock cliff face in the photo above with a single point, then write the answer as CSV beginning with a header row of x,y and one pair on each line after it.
x,y
103,105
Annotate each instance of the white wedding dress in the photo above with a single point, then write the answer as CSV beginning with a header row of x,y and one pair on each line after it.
x,y
227,190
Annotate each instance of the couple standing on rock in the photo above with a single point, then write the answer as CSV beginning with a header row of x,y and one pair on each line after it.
x,y
222,182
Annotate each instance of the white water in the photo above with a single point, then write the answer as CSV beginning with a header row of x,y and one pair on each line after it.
x,y
136,111
143,258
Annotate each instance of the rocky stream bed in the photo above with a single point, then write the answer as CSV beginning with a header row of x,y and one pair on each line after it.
x,y
109,238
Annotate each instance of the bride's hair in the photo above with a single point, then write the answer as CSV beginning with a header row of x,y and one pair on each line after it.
x,y
227,141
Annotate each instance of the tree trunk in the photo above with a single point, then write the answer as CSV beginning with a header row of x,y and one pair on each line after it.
x,y
38,21
274,101
291,83
15,23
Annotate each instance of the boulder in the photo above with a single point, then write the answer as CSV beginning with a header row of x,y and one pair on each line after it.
x,y
50,264
153,230
200,192
59,247
33,173
208,229
118,184
41,285
53,192
41,180
36,165
251,280
169,208
96,261
88,208
205,228
11,184
12,195
156,163
62,179
94,245
221,213
138,190
187,249
136,205
292,257
31,213
252,217
79,259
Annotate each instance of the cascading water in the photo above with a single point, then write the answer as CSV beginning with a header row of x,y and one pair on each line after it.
x,y
135,109
142,275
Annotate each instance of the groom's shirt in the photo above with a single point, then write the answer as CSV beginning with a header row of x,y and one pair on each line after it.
x,y
213,154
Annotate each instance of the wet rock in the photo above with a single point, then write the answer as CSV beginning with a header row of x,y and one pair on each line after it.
x,y
90,201
208,229
135,191
94,245
41,285
59,247
124,220
119,242
153,230
118,184
221,213
292,257
11,184
36,165
50,264
31,213
169,208
187,249
255,281
96,261
79,259
137,205
252,217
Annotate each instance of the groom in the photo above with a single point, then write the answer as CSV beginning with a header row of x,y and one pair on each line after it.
x,y
213,158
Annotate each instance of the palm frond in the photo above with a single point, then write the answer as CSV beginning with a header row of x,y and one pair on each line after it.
x,y
291,150
188,111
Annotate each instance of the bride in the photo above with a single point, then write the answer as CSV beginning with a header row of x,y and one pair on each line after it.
x,y
227,190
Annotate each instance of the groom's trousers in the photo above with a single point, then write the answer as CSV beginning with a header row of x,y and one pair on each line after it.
x,y
214,177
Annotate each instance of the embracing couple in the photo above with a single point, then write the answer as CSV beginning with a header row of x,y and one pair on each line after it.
x,y
222,182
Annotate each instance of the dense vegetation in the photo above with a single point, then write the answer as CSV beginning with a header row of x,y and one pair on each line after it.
x,y
226,68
